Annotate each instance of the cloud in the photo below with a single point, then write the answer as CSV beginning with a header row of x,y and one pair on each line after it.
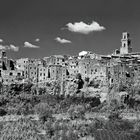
x,y
1,40
29,45
83,28
10,47
14,48
37,40
62,41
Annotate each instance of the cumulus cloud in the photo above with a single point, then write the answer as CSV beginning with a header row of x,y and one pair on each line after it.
x,y
81,27
10,47
29,45
37,40
62,41
1,40
14,48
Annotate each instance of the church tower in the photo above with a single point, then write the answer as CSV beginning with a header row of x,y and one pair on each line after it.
x,y
125,43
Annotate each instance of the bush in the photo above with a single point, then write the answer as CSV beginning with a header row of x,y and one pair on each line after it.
x,y
119,125
23,129
95,102
3,112
44,111
114,104
76,111
114,115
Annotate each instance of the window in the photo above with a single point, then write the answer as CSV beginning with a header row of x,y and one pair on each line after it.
x,y
10,73
18,74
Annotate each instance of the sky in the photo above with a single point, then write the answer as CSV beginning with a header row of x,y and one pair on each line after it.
x,y
40,28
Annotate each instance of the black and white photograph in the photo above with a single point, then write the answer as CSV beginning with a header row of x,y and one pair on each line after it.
x,y
69,70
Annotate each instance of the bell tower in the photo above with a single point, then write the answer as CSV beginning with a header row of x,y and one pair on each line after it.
x,y
125,43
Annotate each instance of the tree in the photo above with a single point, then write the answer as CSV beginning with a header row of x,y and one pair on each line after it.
x,y
76,111
44,111
79,81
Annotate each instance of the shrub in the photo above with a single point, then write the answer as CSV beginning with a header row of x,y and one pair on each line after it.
x,y
76,111
23,129
3,112
119,125
114,105
44,111
114,115
95,102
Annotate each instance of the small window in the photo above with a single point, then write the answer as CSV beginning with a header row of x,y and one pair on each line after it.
x,y
11,74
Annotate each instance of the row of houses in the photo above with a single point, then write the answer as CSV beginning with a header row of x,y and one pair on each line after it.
x,y
118,67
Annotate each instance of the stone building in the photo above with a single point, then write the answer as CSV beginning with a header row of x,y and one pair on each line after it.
x,y
55,60
31,70
73,67
8,71
42,73
21,66
57,72
93,69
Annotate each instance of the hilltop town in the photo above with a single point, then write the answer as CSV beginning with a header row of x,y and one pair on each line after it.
x,y
88,96
114,69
